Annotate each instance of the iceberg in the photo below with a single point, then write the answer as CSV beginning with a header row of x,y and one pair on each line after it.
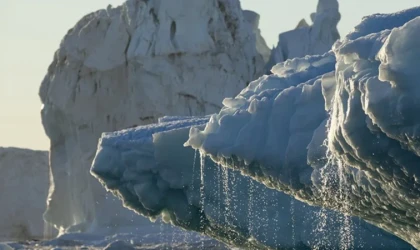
x,y
361,158
338,131
155,176
126,66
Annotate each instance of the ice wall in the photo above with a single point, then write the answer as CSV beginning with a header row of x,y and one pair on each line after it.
x,y
152,173
345,139
315,39
127,66
23,193
374,123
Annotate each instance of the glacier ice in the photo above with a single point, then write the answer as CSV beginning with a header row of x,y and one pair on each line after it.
x,y
337,130
315,39
127,66
288,106
345,139
152,173
23,192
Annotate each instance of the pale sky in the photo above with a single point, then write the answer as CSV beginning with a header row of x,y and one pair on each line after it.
x,y
31,31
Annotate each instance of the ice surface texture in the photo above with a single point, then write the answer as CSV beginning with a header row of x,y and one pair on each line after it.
x,y
127,66
345,139
149,170
309,40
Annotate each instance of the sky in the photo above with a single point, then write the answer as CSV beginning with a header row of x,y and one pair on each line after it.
x,y
31,32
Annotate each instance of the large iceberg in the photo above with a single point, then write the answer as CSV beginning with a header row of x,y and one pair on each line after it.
x,y
361,156
127,66
23,192
337,130
154,176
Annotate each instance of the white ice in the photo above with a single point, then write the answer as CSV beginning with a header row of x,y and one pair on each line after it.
x,y
150,171
314,133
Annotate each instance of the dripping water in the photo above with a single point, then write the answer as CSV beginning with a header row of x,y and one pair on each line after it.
x,y
193,170
162,232
361,244
334,188
173,236
186,235
225,177
276,228
234,198
326,190
265,217
218,185
346,230
292,214
202,195
340,181
251,194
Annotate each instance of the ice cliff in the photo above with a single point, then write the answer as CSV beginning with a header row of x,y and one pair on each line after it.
x,y
314,39
337,130
127,66
363,109
23,193
148,169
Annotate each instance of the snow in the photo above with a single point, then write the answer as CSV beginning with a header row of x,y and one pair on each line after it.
x,y
316,39
317,130
126,66
23,192
152,173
